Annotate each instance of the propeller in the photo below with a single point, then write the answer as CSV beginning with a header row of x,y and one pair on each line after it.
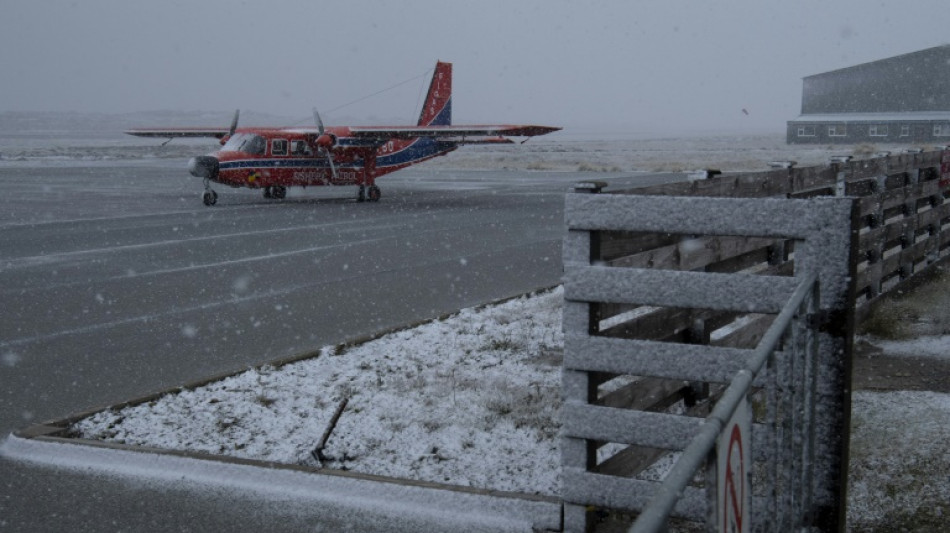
x,y
234,122
325,141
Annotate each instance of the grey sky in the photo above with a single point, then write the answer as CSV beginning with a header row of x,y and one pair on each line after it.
x,y
621,66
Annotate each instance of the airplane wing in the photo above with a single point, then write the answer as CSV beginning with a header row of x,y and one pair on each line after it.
x,y
449,132
479,134
168,133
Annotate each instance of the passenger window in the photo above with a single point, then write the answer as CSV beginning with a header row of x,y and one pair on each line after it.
x,y
278,147
300,148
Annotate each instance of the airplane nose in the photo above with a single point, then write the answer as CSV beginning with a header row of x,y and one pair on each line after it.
x,y
203,166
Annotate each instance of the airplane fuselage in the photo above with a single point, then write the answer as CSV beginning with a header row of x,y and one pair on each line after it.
x,y
258,158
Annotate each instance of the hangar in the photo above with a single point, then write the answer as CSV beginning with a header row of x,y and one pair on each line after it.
x,y
901,99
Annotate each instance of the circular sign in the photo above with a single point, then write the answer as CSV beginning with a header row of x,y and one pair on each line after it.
x,y
733,508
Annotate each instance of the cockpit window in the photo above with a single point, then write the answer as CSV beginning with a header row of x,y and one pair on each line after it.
x,y
245,142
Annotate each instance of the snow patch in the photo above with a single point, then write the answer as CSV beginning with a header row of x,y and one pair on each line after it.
x,y
434,403
937,347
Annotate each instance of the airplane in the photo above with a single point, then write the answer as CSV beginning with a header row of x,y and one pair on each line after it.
x,y
274,158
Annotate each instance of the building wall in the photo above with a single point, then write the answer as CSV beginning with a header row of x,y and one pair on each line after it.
x,y
850,132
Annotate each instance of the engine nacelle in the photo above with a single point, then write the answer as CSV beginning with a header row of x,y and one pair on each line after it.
x,y
326,141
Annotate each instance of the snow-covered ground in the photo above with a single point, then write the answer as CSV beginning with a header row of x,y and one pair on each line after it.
x,y
472,400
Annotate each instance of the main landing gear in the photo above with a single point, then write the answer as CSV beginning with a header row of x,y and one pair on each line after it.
x,y
277,192
371,193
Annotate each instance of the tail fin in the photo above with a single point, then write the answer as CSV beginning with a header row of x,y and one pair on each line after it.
x,y
437,110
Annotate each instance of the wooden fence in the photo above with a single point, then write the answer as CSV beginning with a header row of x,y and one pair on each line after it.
x,y
901,202
899,224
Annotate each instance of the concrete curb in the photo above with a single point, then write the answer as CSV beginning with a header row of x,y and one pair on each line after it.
x,y
340,496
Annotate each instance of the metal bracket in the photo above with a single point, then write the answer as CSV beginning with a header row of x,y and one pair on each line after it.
x,y
826,320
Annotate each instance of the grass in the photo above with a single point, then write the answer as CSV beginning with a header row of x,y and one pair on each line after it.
x,y
593,167
897,478
920,310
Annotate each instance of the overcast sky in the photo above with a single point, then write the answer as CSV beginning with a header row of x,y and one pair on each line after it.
x,y
620,66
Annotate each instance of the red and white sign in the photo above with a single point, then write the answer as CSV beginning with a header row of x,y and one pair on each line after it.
x,y
734,464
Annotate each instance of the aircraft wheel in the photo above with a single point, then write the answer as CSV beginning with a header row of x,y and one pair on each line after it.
x,y
209,198
268,192
279,192
374,194
361,195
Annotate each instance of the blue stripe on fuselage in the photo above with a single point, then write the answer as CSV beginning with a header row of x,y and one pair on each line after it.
x,y
422,148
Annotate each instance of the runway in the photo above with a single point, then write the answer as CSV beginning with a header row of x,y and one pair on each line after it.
x,y
117,281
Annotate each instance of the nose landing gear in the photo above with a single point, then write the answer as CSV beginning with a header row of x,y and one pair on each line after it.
x,y
209,197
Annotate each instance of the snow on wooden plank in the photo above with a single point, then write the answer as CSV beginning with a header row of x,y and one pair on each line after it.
x,y
738,292
753,217
642,428
650,358
621,493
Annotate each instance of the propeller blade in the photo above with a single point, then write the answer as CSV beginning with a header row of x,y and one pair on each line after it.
x,y
316,118
325,149
234,122
332,166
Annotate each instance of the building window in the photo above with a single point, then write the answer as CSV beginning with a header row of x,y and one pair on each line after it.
x,y
905,130
806,131
837,131
942,130
877,130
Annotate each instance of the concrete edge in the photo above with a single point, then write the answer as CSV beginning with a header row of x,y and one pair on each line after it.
x,y
342,494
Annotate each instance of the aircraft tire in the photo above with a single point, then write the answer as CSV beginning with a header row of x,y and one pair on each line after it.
x,y
279,192
268,193
209,198
374,194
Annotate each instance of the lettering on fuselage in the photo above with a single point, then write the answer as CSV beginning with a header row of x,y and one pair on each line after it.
x,y
312,176
308,175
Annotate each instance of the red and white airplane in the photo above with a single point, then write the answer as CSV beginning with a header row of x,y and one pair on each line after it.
x,y
273,159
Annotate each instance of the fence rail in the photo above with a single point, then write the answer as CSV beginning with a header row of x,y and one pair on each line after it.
x,y
790,459
669,289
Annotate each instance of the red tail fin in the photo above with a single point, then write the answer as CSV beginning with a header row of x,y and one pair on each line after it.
x,y
437,110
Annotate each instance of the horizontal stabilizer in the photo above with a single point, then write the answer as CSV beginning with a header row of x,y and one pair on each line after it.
x,y
479,140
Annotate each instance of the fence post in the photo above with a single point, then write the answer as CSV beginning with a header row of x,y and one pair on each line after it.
x,y
580,248
834,257
938,200
876,252
840,163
